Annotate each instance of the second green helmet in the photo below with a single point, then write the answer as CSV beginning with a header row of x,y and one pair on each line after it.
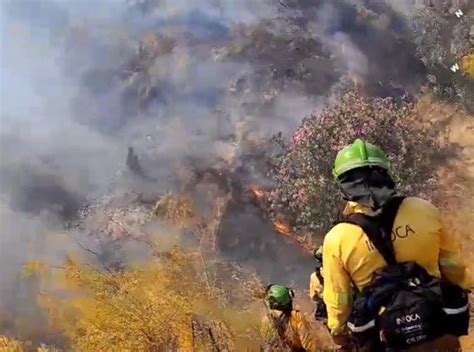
x,y
359,154
279,297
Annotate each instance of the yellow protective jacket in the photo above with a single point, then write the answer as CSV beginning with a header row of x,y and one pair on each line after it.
x,y
315,287
294,329
349,256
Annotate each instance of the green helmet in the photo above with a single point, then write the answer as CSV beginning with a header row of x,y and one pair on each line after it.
x,y
279,297
359,154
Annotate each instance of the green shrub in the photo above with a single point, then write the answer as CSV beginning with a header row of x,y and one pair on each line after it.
x,y
305,194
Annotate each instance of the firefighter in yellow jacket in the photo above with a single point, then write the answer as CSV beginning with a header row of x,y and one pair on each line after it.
x,y
350,259
316,285
316,279
291,326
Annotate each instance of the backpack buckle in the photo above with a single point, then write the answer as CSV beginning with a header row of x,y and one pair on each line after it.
x,y
414,282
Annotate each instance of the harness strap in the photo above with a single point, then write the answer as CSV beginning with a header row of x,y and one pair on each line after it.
x,y
379,228
319,276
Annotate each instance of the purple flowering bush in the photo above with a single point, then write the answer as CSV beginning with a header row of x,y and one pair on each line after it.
x,y
305,194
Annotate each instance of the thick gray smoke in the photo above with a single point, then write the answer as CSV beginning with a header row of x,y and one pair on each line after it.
x,y
82,81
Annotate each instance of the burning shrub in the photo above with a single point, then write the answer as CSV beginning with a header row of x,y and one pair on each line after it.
x,y
305,189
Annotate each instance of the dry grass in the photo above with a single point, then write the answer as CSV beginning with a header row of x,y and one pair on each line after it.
x,y
11,345
165,303
456,189
175,210
186,301
456,186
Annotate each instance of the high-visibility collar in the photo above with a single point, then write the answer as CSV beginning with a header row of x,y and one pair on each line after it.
x,y
356,208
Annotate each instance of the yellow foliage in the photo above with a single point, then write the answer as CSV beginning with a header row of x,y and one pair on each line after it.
x,y
166,303
11,345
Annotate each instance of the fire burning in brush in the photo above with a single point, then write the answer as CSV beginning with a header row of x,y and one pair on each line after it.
x,y
283,227
258,196
258,193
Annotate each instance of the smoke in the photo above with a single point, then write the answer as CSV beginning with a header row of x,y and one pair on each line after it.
x,y
407,7
247,240
77,89
82,81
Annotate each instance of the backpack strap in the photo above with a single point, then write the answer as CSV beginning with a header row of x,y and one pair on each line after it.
x,y
319,276
379,228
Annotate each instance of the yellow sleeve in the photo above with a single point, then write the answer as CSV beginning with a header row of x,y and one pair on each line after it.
x,y
315,287
304,331
450,263
337,292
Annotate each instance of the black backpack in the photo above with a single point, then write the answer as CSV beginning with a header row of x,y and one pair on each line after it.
x,y
403,306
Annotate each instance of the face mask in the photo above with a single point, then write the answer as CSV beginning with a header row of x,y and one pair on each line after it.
x,y
371,187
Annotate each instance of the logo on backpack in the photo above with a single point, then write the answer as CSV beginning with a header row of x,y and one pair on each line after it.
x,y
409,318
415,340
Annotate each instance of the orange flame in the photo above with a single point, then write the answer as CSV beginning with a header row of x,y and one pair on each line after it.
x,y
283,228
258,193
